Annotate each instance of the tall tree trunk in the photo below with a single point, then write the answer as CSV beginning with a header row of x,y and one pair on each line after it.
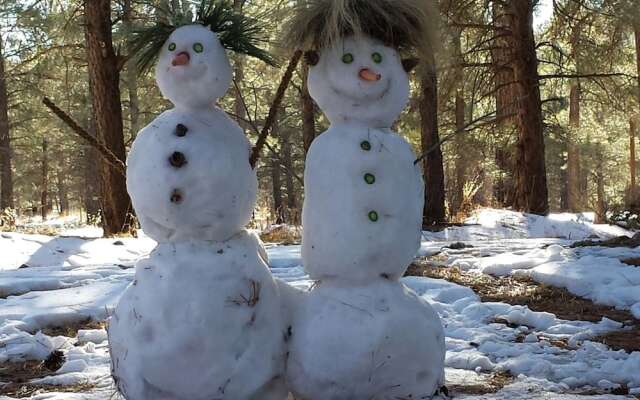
x,y
504,94
6,175
574,194
434,208
502,57
44,189
63,192
131,76
601,207
278,206
308,111
573,151
636,30
461,156
632,162
91,176
287,160
103,70
531,177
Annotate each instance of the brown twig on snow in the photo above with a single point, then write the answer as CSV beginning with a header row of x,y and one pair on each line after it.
x,y
273,111
103,150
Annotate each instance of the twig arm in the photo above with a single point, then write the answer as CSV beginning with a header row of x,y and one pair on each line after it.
x,y
273,111
103,150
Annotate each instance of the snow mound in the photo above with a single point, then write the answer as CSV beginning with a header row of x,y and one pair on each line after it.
x,y
489,223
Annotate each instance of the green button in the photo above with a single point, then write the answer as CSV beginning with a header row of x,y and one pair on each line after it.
x,y
365,145
369,178
373,216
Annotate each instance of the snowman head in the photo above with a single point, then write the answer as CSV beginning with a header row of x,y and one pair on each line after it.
x,y
356,50
359,79
193,69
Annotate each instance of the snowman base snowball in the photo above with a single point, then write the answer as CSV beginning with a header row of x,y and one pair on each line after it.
x,y
201,321
375,341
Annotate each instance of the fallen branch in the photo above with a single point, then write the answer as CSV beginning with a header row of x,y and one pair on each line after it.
x,y
273,111
103,150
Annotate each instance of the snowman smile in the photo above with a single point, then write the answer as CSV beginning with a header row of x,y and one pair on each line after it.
x,y
364,94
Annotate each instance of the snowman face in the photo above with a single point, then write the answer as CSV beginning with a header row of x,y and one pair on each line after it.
x,y
193,69
360,79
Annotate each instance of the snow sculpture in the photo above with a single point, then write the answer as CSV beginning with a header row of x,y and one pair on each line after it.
x,y
360,333
202,318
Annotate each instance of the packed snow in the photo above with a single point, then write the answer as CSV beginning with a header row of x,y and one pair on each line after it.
x,y
476,343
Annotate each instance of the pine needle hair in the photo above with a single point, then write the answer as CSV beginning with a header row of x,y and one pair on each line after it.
x,y
236,32
409,26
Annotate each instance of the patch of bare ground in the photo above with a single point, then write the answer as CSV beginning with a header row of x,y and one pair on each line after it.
x,y
632,261
71,329
282,234
493,384
15,379
538,297
620,241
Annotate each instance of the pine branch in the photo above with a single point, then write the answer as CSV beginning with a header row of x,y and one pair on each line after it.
x,y
103,150
273,111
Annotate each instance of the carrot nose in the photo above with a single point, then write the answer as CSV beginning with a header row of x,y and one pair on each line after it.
x,y
181,59
368,75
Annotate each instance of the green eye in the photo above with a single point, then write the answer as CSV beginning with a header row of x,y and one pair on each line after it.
x,y
198,48
377,58
172,47
347,58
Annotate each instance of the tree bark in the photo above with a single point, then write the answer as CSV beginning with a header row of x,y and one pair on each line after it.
x,y
434,206
6,174
103,70
308,111
131,75
531,178
44,189
502,57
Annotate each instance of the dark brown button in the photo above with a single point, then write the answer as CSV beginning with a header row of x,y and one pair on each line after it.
x,y
177,159
181,130
176,196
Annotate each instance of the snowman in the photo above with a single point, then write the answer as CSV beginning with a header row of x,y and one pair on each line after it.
x,y
201,319
360,333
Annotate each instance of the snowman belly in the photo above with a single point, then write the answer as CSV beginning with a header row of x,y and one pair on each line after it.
x,y
189,177
362,213
198,324
371,342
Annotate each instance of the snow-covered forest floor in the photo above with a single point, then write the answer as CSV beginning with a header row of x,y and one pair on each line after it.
x,y
527,316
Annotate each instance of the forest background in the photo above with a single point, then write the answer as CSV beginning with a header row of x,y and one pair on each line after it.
x,y
529,106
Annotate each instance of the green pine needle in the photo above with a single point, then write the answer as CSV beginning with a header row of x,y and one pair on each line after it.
x,y
236,32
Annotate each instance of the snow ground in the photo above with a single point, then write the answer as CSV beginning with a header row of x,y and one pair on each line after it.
x,y
65,280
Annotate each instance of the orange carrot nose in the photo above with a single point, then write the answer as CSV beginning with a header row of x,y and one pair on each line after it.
x,y
368,75
181,59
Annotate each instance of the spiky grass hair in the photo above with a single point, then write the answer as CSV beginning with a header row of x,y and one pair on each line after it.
x,y
407,25
236,32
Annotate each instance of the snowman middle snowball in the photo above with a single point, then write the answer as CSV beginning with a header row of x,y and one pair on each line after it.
x,y
202,318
